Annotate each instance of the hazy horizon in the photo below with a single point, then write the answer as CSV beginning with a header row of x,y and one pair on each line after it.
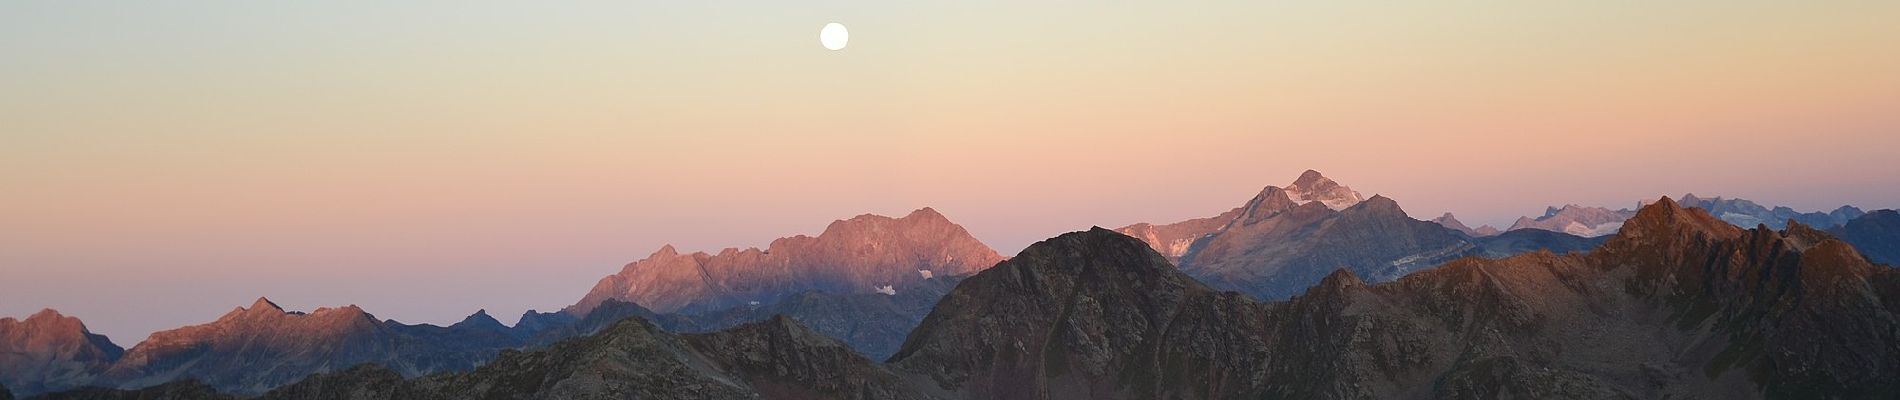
x,y
162,164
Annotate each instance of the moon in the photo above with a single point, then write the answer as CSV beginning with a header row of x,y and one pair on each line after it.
x,y
834,36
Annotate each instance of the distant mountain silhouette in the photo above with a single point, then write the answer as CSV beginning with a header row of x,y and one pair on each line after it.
x,y
1576,220
1452,222
1747,214
1599,221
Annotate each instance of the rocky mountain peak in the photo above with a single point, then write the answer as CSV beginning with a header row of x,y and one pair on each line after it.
x,y
1451,221
264,304
480,319
48,322
1271,201
926,214
260,308
50,350
1312,186
665,251
1310,178
1381,204
1667,219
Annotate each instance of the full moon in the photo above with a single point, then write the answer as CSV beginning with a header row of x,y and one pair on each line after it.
x,y
833,36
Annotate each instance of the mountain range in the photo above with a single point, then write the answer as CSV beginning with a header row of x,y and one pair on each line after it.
x,y
1599,221
866,280
809,317
1576,220
1451,221
1746,213
860,255
1679,304
1284,240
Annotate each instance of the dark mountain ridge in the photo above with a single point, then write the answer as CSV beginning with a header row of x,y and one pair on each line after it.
x,y
1679,305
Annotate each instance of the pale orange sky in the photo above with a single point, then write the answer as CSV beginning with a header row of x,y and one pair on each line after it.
x,y
162,164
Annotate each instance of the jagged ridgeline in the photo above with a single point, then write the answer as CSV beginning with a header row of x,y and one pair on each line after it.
x,y
1678,305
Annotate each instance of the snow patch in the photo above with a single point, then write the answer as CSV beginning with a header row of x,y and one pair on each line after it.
x,y
926,273
887,290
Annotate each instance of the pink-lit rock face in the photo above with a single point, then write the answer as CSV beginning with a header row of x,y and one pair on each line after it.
x,y
857,255
50,350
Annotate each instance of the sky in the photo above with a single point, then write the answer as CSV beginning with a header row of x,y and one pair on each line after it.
x,y
161,164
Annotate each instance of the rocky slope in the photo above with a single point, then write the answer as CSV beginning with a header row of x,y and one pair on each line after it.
x,y
1576,220
1746,213
634,359
859,255
874,324
1277,253
178,390
1875,234
1680,305
51,351
251,350
1452,222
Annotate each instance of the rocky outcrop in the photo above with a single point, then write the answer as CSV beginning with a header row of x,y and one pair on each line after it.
x,y
49,351
1875,234
1679,305
858,255
1452,222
